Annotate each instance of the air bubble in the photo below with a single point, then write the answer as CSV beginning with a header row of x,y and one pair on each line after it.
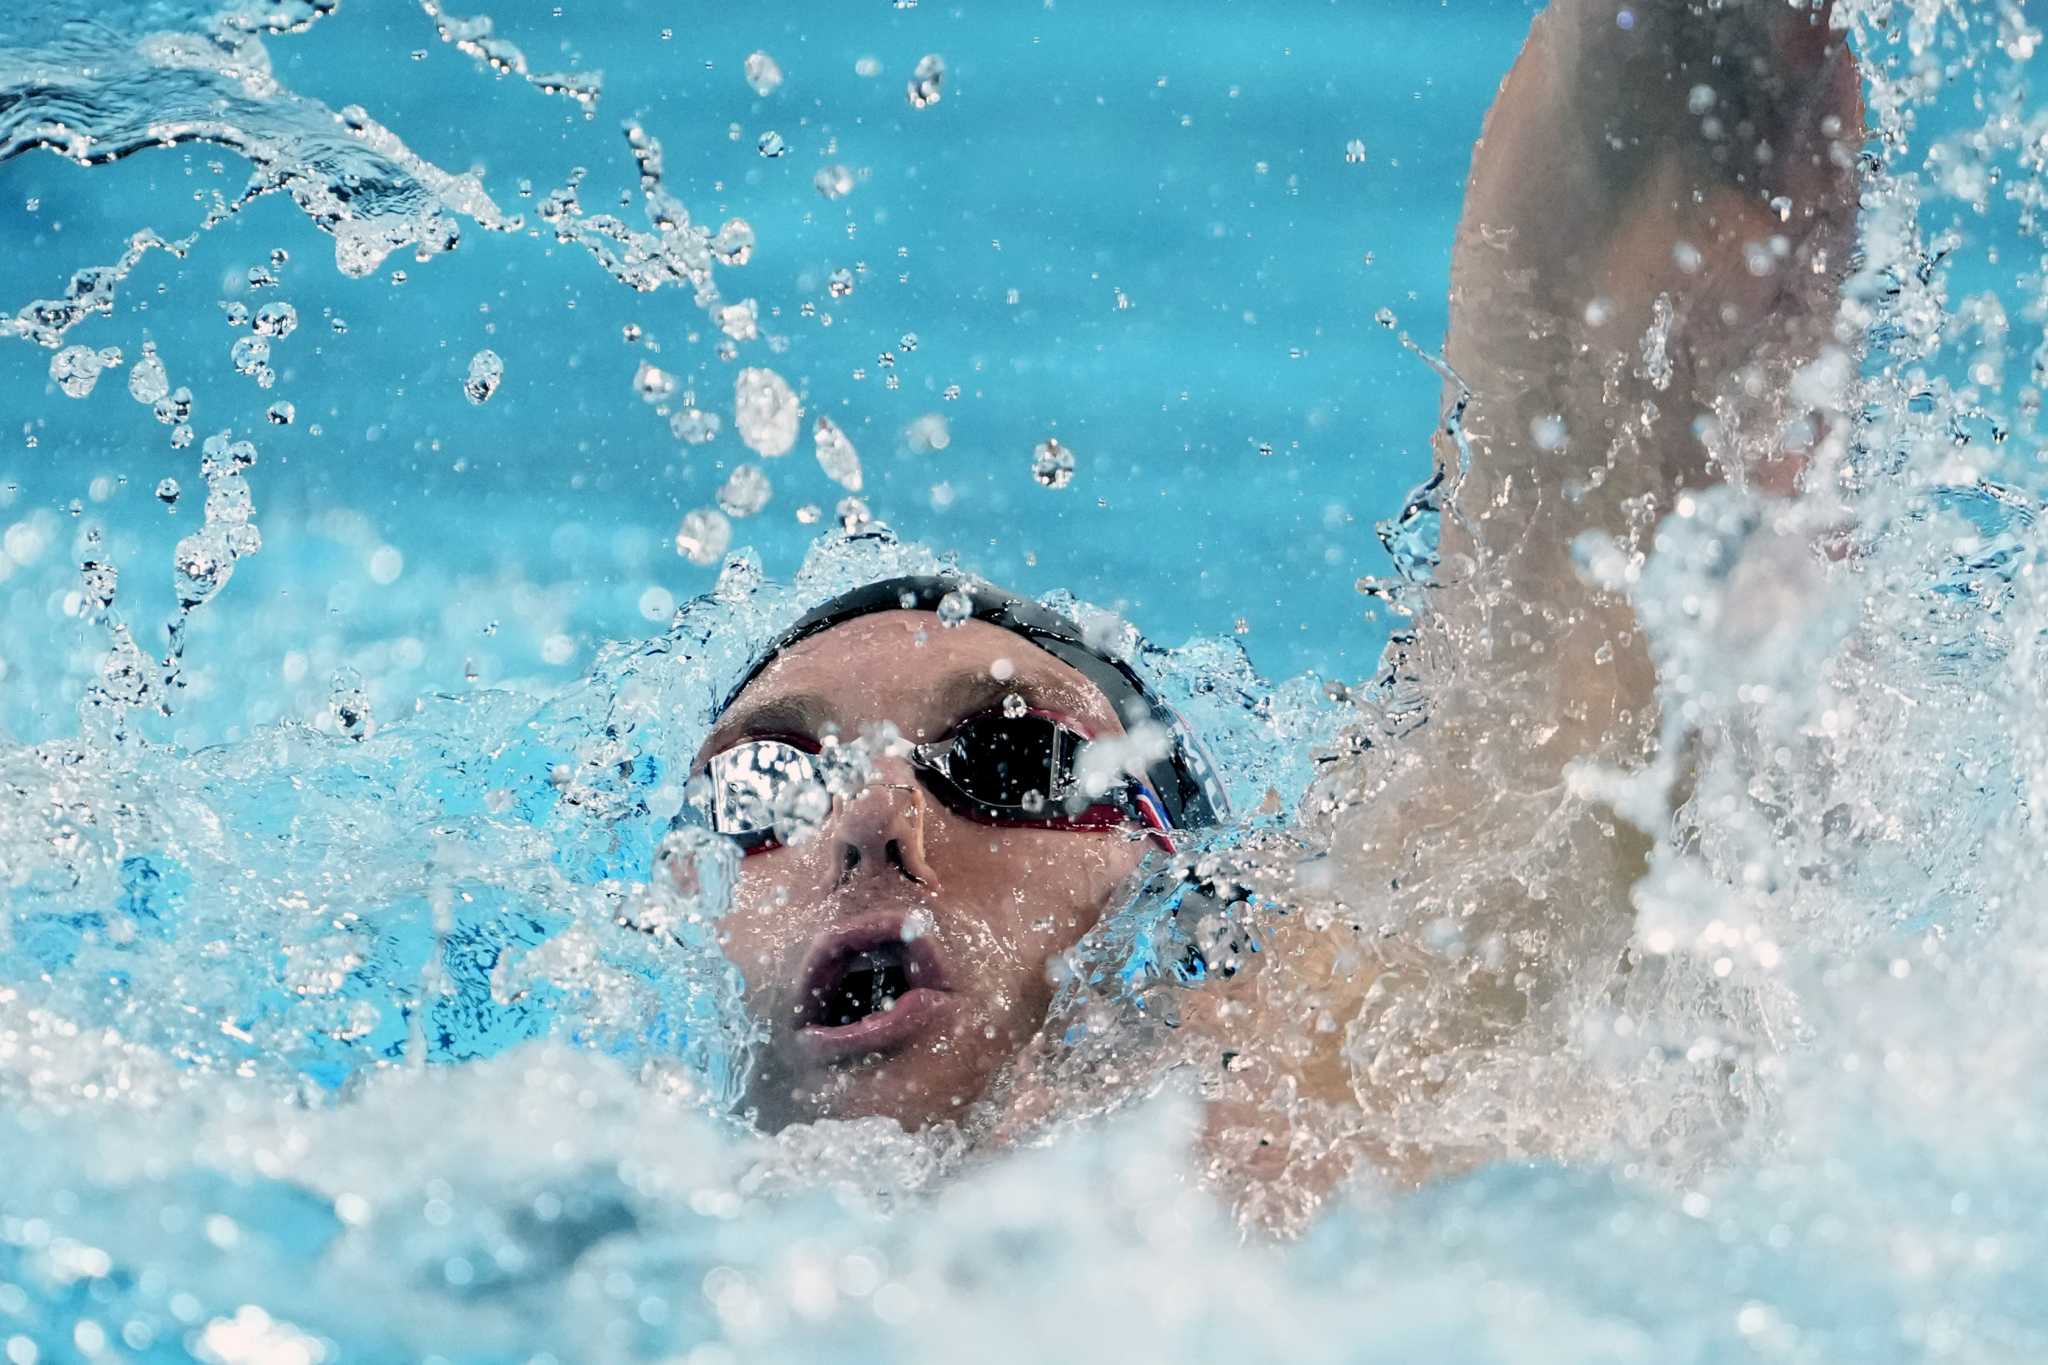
x,y
1354,151
1052,464
704,535
771,145
839,283
763,75
808,514
926,81
486,372
1014,706
281,413
167,492
836,455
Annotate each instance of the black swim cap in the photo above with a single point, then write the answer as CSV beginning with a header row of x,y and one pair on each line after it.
x,y
1184,779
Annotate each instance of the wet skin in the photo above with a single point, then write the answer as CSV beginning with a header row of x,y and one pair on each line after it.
x,y
986,908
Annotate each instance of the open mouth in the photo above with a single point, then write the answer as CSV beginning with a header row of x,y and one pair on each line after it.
x,y
868,989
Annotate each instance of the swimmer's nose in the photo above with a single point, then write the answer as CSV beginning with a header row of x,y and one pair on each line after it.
x,y
881,831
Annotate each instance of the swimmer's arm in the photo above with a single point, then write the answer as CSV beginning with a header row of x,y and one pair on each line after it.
x,y
1599,188
1663,197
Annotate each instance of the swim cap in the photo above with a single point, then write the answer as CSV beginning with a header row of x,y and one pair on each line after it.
x,y
1184,779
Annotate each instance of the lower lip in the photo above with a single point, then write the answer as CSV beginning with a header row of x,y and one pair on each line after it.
x,y
914,1013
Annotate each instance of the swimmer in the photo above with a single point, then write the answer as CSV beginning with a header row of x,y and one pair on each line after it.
x,y
1659,215
897,954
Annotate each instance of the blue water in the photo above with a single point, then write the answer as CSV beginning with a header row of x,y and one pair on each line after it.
x,y
320,1035
1075,156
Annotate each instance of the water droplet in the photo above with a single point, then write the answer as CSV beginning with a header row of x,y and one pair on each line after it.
x,y
276,320
853,515
1014,706
741,321
1354,151
652,383
281,413
834,182
486,372
955,607
771,145
147,381
202,563
745,492
836,455
75,369
762,73
167,492
734,244
926,81
347,706
694,426
839,283
174,407
250,355
99,581
928,433
703,536
765,412
1052,464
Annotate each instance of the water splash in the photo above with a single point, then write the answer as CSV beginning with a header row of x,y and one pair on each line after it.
x,y
1787,1071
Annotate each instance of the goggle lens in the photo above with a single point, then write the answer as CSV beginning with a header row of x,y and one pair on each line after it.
x,y
993,768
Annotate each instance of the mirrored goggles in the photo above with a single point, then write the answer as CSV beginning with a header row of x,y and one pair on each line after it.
x,y
992,768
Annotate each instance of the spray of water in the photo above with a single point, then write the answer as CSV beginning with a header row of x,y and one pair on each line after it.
x,y
1735,946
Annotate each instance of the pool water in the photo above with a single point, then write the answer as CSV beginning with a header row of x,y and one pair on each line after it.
x,y
323,1032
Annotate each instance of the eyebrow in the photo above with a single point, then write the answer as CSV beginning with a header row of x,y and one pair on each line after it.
x,y
972,691
966,692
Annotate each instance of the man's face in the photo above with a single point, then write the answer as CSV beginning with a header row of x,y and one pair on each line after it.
x,y
899,898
